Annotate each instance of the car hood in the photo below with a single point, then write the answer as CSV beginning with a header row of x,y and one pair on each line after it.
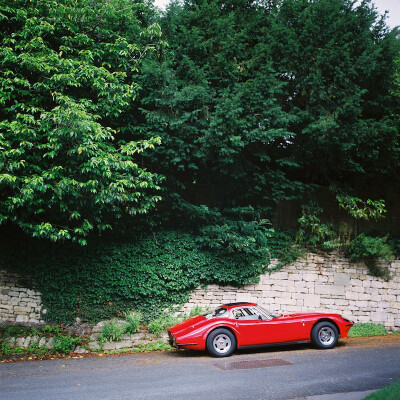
x,y
189,323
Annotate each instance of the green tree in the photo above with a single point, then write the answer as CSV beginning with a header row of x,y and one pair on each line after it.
x,y
257,101
68,161
337,58
217,102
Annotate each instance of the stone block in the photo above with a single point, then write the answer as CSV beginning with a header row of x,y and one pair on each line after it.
x,y
80,350
341,279
10,341
328,290
278,288
242,297
50,343
27,342
286,301
312,300
123,344
377,284
22,318
94,346
109,346
22,310
294,277
378,317
310,277
280,275
352,295
355,282
341,302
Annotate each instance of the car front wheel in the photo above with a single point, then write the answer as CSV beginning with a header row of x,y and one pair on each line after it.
x,y
324,335
221,343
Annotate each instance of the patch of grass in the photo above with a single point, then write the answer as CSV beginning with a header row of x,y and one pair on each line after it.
x,y
367,329
391,392
154,346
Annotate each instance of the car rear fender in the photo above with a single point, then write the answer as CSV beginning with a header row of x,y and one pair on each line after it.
x,y
332,321
229,328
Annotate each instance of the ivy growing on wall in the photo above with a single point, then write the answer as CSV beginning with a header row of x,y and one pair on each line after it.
x,y
147,272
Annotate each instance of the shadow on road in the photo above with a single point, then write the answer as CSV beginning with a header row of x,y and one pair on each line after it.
x,y
271,349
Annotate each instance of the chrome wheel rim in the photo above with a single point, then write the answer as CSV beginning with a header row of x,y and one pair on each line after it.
x,y
326,335
222,343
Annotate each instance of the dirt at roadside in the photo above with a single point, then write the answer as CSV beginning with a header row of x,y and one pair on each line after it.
x,y
371,341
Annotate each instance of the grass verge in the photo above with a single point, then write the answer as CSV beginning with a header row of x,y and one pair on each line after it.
x,y
367,329
391,392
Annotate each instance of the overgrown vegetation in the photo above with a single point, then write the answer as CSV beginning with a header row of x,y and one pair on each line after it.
x,y
114,329
164,321
147,272
370,249
64,342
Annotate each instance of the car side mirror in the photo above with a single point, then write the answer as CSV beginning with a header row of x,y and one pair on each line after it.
x,y
260,317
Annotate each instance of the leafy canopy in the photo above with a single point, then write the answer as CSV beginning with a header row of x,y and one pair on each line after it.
x,y
67,80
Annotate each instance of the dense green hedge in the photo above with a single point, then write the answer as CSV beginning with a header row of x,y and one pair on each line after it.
x,y
147,272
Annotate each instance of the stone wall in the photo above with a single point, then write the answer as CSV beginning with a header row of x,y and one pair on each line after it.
x,y
328,283
317,283
18,303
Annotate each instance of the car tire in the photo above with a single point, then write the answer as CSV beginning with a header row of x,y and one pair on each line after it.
x,y
221,343
324,335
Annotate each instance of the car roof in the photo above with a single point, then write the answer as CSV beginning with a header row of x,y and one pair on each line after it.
x,y
233,305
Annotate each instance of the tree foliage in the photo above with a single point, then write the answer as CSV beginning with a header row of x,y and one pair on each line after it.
x,y
67,81
252,102
256,101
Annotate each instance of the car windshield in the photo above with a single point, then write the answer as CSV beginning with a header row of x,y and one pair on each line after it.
x,y
269,313
217,313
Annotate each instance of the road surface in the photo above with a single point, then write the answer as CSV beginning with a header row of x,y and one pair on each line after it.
x,y
286,372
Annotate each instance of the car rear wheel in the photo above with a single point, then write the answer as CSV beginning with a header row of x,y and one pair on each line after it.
x,y
221,343
324,335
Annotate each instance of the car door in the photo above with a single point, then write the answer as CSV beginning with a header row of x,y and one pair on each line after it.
x,y
256,331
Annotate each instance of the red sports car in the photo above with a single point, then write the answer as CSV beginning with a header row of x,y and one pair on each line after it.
x,y
239,325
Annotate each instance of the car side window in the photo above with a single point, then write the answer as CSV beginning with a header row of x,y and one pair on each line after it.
x,y
238,313
245,313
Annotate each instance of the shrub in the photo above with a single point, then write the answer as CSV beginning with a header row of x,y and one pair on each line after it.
x,y
312,232
112,331
65,344
370,249
5,349
161,324
132,322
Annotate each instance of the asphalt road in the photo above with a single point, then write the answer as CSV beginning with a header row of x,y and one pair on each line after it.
x,y
289,372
